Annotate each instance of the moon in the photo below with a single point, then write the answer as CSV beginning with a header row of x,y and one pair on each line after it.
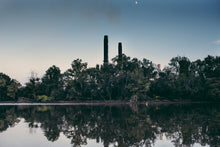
x,y
136,2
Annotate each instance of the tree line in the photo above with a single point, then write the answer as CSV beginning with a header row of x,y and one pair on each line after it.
x,y
127,79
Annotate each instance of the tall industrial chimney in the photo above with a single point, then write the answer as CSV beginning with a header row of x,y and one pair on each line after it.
x,y
105,49
120,52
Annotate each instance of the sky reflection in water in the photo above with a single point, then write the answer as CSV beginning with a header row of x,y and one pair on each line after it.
x,y
171,125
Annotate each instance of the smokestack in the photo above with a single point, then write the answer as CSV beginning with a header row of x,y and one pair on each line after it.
x,y
120,52
105,49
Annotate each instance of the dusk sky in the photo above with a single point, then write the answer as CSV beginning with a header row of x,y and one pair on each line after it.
x,y
36,34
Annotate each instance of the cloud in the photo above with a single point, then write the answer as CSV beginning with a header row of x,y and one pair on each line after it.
x,y
217,42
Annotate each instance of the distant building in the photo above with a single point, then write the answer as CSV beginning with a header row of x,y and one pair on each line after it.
x,y
120,52
105,61
105,49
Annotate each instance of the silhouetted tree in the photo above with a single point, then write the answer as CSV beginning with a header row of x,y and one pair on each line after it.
x,y
52,82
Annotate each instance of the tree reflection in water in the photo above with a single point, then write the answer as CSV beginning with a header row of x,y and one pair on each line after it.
x,y
121,125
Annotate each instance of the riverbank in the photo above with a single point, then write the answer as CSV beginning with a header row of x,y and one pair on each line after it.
x,y
100,102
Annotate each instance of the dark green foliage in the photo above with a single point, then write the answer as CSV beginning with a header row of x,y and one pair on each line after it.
x,y
75,80
181,65
185,80
8,88
31,89
4,82
110,82
125,79
52,83
213,88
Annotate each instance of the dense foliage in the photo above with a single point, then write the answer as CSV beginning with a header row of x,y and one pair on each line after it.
x,y
124,79
8,88
198,80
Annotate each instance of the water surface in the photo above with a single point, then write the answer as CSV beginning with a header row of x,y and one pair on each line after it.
x,y
134,125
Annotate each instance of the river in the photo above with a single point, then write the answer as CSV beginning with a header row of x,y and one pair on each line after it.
x,y
171,125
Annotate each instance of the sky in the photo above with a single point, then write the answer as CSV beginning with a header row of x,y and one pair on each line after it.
x,y
36,34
